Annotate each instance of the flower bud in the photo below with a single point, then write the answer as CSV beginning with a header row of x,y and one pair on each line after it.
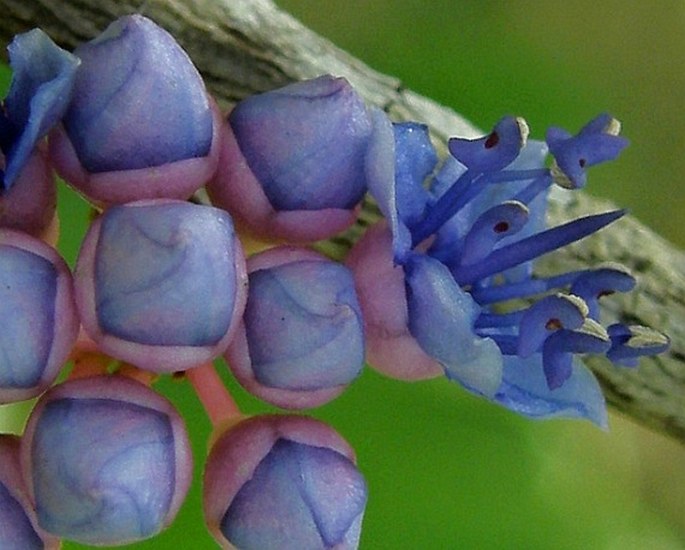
x,y
140,124
106,460
42,80
293,160
18,524
283,482
37,304
161,284
301,340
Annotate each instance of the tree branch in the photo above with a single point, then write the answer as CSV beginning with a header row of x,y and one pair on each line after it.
x,y
247,46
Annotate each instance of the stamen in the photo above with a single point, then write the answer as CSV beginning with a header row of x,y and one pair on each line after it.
x,y
629,343
550,314
559,347
491,226
536,245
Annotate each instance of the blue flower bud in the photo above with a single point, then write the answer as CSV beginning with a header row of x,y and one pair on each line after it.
x,y
18,523
283,482
293,160
301,340
37,305
161,284
107,461
42,82
140,123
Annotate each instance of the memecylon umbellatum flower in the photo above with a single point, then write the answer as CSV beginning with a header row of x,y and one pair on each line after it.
x,y
287,482
433,277
293,160
106,459
140,123
301,340
161,283
37,305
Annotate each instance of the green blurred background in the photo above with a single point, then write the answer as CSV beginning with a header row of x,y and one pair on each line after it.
x,y
445,469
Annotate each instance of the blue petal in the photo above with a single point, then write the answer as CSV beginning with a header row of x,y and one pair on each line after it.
x,y
42,82
524,390
441,318
380,173
415,160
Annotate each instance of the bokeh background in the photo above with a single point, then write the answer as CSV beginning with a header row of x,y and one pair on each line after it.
x,y
445,469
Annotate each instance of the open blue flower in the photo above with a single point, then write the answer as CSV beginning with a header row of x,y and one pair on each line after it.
x,y
464,239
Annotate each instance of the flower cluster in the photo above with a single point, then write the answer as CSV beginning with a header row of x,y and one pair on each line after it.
x,y
444,284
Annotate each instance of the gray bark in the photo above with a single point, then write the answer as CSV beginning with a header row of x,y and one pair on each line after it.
x,y
247,46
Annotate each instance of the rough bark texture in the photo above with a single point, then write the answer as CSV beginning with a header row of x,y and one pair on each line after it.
x,y
247,46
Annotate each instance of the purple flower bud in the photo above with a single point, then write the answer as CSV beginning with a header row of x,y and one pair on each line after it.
x,y
301,340
161,284
106,459
283,482
37,305
293,160
39,94
18,523
140,124
43,76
